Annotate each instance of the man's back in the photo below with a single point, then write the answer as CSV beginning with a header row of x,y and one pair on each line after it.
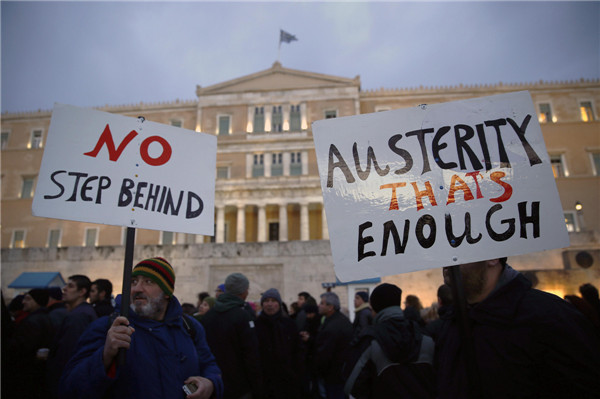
x,y
527,344
231,336
332,343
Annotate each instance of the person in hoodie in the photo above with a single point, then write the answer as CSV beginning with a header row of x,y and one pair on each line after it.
x,y
280,349
391,359
164,348
525,343
231,336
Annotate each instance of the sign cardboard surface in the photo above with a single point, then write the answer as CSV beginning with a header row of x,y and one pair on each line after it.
x,y
111,169
437,185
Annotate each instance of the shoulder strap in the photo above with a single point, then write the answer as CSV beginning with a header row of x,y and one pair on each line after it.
x,y
189,326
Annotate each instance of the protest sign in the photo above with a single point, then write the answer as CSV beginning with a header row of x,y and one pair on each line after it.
x,y
437,185
112,169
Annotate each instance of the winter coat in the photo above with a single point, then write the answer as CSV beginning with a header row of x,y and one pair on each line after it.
x,y
362,318
332,343
231,336
162,355
527,344
280,355
392,359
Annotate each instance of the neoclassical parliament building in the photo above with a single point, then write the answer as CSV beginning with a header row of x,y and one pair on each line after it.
x,y
269,218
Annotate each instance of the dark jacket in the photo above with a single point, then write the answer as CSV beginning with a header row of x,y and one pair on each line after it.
x,y
103,307
231,336
527,344
65,342
280,355
162,355
362,319
332,343
434,327
392,359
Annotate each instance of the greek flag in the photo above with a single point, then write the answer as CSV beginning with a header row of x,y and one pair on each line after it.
x,y
286,37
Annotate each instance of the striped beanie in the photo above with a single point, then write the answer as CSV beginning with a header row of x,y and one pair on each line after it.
x,y
159,271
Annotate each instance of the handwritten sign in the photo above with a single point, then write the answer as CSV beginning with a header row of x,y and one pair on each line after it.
x,y
437,185
111,169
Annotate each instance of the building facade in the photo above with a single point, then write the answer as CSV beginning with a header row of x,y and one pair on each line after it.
x,y
268,196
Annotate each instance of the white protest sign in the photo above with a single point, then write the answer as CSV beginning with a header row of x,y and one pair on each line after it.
x,y
112,169
437,185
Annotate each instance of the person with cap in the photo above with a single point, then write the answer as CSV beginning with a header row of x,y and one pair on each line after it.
x,y
231,335
391,358
280,349
219,290
35,332
362,313
332,343
165,349
523,343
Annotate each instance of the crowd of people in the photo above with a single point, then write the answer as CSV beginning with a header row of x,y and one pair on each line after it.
x,y
509,340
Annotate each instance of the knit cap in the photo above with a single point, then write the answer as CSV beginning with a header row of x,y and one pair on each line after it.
x,y
385,295
55,293
363,295
158,270
236,284
39,295
271,293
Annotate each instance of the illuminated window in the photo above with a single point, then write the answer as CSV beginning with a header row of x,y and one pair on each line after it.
x,y
54,238
36,139
277,119
222,172
27,187
558,165
4,141
571,221
587,111
545,113
224,125
91,237
259,120
258,165
330,114
277,164
18,239
295,118
167,238
295,164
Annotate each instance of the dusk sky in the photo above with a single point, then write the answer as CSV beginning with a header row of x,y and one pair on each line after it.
x,y
91,54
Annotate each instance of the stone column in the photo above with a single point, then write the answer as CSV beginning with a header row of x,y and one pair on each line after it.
x,y
304,230
220,225
241,224
262,221
283,223
325,233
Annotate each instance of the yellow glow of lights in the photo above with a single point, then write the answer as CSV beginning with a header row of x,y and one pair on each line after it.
x,y
249,127
304,123
554,119
286,126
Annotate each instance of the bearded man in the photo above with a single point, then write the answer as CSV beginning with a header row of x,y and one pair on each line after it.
x,y
526,343
165,349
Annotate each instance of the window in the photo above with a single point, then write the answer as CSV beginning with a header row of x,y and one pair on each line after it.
x,y
258,166
274,231
330,114
296,164
571,221
545,113
27,187
595,163
91,237
190,238
295,118
558,166
259,120
222,172
224,123
587,111
54,238
18,239
176,122
167,238
36,139
4,141
277,119
277,164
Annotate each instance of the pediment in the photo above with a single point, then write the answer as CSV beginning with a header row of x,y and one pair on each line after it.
x,y
278,78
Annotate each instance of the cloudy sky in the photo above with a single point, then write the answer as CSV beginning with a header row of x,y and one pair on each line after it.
x,y
97,53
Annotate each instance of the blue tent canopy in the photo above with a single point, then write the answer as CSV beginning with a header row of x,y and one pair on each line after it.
x,y
38,280
375,280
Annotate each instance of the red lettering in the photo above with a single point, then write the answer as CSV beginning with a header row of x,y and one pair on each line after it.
x,y
163,158
474,176
496,176
428,192
394,202
460,186
106,138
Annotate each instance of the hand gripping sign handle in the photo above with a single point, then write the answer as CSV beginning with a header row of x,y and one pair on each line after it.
x,y
125,296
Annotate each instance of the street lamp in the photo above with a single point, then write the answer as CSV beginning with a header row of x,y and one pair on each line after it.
x,y
579,209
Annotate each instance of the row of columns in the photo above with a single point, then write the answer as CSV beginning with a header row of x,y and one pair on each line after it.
x,y
262,223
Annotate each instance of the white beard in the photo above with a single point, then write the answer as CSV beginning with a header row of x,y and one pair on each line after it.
x,y
153,307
